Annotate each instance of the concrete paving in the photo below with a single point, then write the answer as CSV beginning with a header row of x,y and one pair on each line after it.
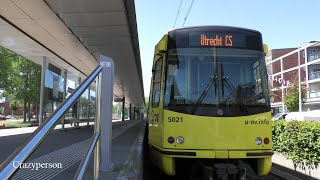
x,y
67,147
127,156
25,130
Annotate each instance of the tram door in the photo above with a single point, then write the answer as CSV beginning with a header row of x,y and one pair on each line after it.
x,y
156,104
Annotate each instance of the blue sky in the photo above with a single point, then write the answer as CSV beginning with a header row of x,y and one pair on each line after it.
x,y
283,23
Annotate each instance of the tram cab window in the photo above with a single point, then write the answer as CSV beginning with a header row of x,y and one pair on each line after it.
x,y
189,71
176,84
156,83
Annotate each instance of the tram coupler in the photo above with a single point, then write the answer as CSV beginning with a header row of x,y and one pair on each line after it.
x,y
223,172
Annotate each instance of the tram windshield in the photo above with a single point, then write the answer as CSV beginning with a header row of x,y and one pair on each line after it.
x,y
218,77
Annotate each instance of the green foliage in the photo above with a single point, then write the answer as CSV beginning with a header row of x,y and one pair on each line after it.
x,y
146,102
20,79
114,108
299,141
5,67
291,99
14,105
26,82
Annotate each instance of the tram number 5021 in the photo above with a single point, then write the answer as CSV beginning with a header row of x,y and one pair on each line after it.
x,y
175,119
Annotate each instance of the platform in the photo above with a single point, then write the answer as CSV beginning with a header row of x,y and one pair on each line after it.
x,y
68,147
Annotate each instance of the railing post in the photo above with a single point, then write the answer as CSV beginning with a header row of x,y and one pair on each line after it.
x,y
134,113
78,104
130,112
96,164
123,107
105,99
89,100
64,96
43,75
88,109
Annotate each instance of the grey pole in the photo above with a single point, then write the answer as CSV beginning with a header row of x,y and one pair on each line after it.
x,y
299,79
130,111
64,94
105,92
134,112
139,114
43,75
282,87
96,164
88,109
123,106
307,71
89,99
78,104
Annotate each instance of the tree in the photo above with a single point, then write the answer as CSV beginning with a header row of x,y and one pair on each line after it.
x,y
26,84
146,102
291,99
14,106
114,108
21,81
5,67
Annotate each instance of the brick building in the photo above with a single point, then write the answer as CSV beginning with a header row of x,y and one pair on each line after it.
x,y
8,110
283,69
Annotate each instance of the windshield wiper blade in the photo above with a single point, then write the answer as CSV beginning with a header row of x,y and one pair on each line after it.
x,y
212,80
234,94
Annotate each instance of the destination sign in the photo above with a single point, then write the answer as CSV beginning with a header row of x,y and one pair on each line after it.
x,y
216,40
208,37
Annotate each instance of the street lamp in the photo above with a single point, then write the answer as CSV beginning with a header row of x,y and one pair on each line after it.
x,y
299,73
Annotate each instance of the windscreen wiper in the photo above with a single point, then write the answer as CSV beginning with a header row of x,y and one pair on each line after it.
x,y
212,80
234,94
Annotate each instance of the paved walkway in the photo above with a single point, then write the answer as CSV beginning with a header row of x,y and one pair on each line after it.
x,y
69,157
66,147
25,130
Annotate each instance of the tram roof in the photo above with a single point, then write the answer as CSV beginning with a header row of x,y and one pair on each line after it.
x,y
215,27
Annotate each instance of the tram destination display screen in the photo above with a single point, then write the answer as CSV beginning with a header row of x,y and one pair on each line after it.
x,y
189,38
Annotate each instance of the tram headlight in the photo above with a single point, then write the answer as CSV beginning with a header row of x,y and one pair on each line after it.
x,y
170,139
266,140
180,140
258,141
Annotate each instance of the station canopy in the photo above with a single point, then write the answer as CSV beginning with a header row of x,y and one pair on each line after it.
x,y
73,33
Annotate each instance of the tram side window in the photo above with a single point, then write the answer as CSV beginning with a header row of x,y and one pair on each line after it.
x,y
156,83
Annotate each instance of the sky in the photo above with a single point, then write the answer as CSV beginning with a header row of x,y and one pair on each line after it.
x,y
283,23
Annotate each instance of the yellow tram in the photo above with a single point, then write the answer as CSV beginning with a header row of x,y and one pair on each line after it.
x,y
209,101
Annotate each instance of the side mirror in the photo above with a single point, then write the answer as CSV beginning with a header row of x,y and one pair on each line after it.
x,y
265,49
161,47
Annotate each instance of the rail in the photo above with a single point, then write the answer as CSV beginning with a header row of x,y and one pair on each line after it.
x,y
84,163
34,140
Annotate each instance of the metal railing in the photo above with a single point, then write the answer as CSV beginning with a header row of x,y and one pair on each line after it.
x,y
84,163
34,140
